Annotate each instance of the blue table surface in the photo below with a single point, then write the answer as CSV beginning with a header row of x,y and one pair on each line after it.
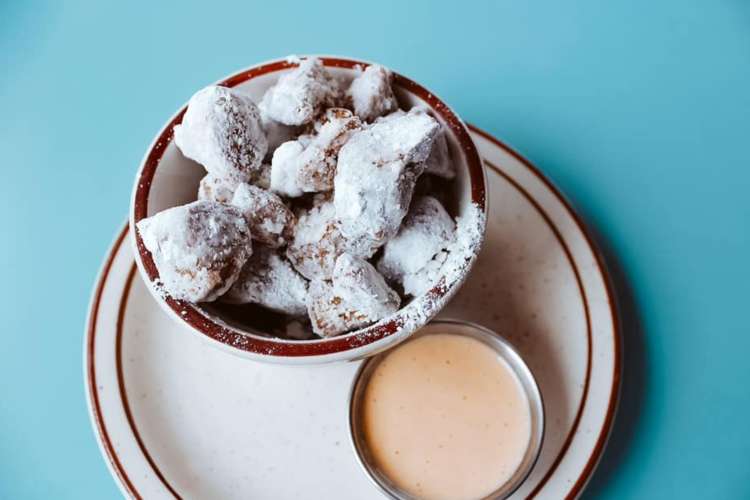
x,y
637,110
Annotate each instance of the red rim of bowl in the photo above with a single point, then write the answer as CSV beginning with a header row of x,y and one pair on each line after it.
x,y
247,341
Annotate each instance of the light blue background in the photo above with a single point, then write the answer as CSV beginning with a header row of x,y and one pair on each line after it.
x,y
638,110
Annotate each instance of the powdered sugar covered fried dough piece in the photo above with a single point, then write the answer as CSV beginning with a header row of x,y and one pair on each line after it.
x,y
301,94
371,93
414,255
308,165
329,315
363,288
317,163
198,248
317,242
284,168
269,280
420,282
376,173
270,221
215,188
221,130
439,161
357,297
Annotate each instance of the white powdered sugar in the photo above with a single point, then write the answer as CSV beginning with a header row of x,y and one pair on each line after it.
x,y
301,94
329,313
215,188
221,130
284,168
317,242
416,253
356,297
357,282
269,280
199,248
371,93
269,219
470,228
317,163
376,173
308,164
426,276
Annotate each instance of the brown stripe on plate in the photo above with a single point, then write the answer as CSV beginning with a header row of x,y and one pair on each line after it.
x,y
614,311
91,369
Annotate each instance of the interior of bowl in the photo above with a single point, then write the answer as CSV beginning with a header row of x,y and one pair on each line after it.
x,y
169,179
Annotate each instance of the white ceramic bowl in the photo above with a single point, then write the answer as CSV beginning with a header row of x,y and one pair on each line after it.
x,y
166,179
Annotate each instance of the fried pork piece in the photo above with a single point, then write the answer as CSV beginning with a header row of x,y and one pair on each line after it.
x,y
415,255
317,242
439,162
371,93
198,248
269,280
308,165
270,221
358,296
215,188
221,130
376,173
301,94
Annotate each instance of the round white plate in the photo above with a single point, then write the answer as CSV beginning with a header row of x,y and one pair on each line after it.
x,y
178,418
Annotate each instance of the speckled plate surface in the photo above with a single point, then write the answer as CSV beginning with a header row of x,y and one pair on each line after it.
x,y
178,418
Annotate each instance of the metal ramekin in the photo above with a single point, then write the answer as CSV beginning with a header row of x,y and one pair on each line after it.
x,y
507,352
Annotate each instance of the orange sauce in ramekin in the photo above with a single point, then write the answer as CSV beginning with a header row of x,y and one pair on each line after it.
x,y
445,417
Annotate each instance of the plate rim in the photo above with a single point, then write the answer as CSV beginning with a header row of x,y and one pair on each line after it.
x,y
120,473
615,312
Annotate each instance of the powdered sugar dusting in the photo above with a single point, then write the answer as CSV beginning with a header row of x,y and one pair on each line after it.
x,y
269,219
462,254
216,188
269,280
308,164
377,171
300,94
199,248
371,93
415,255
221,130
358,283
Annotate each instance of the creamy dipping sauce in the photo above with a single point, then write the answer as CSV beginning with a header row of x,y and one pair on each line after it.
x,y
445,417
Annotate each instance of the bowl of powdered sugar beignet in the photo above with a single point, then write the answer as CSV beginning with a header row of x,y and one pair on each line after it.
x,y
309,209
